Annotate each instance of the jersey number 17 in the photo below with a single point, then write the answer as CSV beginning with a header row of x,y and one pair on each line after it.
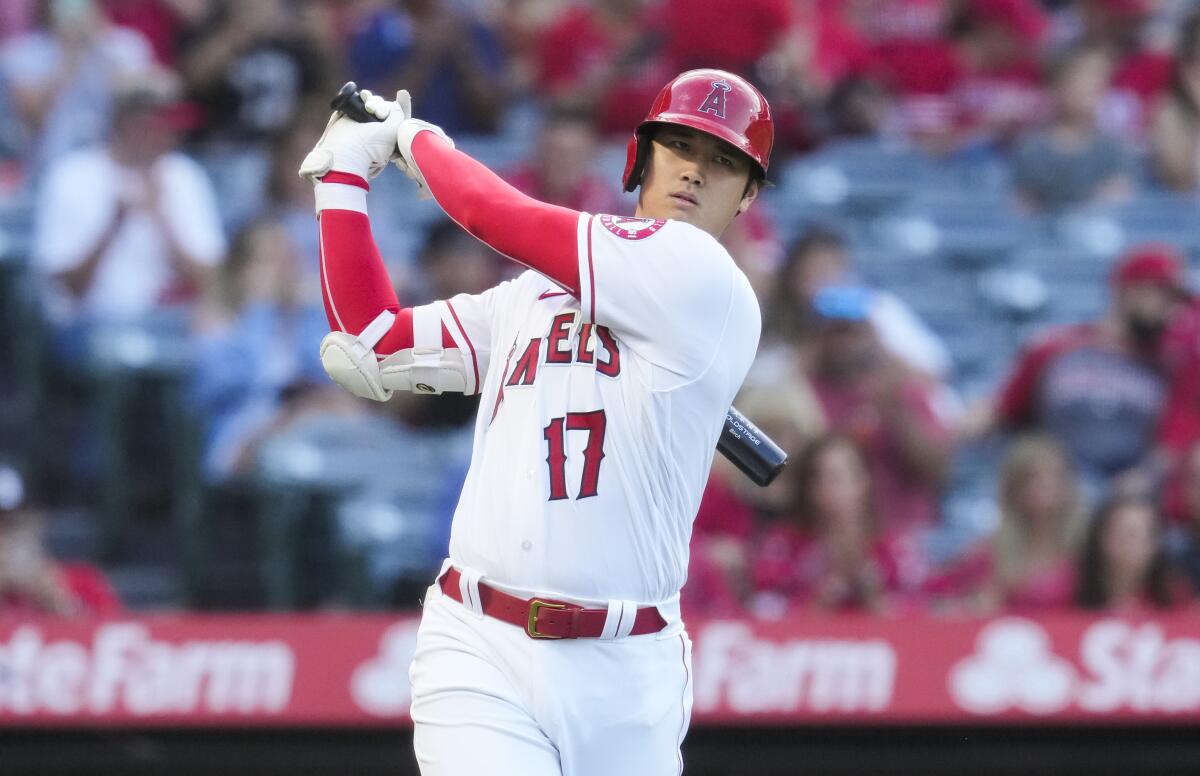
x,y
555,432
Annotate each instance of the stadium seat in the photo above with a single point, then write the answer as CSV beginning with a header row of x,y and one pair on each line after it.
x,y
853,176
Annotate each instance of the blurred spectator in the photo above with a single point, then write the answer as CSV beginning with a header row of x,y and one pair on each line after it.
x,y
1071,161
453,262
158,21
785,408
16,17
1029,564
719,557
602,55
819,258
129,227
250,66
451,63
999,88
562,170
289,198
1180,426
829,554
257,365
61,77
31,582
1124,565
727,34
1098,388
859,107
1142,66
874,399
818,51
753,242
1175,134
1185,535
959,69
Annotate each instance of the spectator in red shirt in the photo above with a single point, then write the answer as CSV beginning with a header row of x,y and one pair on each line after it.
x,y
1029,563
603,56
830,554
31,583
873,398
1185,535
1142,68
1098,388
562,169
972,73
1175,132
1180,427
720,553
728,34
1124,566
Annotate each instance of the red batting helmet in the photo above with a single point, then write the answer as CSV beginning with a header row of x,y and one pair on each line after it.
x,y
717,102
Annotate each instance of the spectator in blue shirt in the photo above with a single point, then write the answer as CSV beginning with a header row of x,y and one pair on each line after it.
x,y
257,365
451,63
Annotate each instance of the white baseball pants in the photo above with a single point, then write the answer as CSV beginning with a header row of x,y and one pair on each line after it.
x,y
487,700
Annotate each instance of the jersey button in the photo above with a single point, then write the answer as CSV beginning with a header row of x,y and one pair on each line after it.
x,y
527,545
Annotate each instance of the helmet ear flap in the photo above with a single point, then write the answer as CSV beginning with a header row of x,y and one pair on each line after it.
x,y
635,161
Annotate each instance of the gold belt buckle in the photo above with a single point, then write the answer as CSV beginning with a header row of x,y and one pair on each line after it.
x,y
535,606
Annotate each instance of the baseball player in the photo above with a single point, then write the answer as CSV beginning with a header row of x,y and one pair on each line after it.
x,y
551,641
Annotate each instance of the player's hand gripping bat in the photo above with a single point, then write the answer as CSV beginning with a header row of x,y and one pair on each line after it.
x,y
747,447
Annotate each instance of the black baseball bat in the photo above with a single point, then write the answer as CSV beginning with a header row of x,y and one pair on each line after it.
x,y
745,445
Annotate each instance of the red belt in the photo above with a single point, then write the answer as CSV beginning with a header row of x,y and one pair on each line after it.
x,y
546,619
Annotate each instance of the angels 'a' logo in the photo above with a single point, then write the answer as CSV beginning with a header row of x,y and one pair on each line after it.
x,y
632,228
715,101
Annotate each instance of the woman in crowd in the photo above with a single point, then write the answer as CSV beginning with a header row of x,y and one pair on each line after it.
x,y
1124,565
1028,564
828,554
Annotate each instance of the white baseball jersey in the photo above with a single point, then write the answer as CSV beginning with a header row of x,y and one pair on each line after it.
x,y
599,416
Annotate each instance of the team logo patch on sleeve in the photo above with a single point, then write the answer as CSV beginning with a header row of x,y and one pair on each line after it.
x,y
632,228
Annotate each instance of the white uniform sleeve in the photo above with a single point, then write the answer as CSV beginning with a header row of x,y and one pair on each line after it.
x,y
469,319
670,290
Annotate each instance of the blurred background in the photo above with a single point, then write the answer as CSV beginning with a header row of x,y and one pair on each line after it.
x,y
980,346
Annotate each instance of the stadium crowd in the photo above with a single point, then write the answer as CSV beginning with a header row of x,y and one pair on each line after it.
x,y
980,348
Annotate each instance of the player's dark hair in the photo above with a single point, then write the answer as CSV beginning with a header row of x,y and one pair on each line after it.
x,y
1091,592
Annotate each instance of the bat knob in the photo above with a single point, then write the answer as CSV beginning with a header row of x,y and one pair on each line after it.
x,y
348,101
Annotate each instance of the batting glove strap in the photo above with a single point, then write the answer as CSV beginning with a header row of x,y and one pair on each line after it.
x,y
405,134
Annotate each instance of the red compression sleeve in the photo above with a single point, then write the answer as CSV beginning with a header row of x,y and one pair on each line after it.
x,y
542,237
355,284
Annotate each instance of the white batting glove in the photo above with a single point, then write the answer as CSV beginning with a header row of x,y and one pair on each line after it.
x,y
405,134
359,149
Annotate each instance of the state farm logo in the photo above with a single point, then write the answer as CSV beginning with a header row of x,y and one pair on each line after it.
x,y
631,228
1120,666
1013,668
124,669
380,686
751,675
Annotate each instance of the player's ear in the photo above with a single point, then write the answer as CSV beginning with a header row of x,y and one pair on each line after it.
x,y
751,194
